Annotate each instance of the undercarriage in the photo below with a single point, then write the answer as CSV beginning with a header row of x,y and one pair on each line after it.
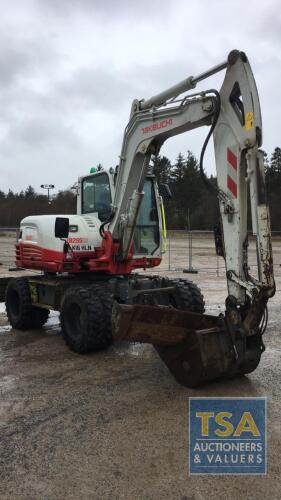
x,y
168,313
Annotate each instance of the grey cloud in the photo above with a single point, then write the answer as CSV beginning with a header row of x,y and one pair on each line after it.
x,y
61,98
12,63
97,88
109,90
36,132
108,8
269,28
22,58
40,119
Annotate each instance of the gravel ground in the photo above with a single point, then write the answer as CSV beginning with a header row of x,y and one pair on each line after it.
x,y
114,425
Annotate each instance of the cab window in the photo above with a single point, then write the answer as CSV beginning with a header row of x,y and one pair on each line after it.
x,y
96,195
146,235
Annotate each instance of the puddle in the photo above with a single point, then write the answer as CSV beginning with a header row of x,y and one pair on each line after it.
x,y
5,329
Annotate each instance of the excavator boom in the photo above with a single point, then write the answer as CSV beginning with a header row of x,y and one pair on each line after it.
x,y
198,347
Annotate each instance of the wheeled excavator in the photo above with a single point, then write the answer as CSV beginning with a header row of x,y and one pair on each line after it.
x,y
89,261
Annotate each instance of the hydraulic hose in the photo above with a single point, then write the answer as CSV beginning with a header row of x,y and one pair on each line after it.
x,y
107,221
215,120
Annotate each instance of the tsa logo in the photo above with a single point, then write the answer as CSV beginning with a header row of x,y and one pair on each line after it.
x,y
227,436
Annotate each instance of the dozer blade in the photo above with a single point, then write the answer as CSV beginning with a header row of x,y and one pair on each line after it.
x,y
196,348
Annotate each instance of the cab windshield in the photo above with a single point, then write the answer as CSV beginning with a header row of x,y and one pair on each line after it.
x,y
96,196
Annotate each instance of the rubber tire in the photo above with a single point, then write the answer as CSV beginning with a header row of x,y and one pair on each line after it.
x,y
86,319
188,296
20,311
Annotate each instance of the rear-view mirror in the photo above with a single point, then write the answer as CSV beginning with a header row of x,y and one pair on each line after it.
x,y
62,227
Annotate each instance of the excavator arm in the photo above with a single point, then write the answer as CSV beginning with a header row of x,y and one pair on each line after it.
x,y
235,112
146,132
239,163
197,348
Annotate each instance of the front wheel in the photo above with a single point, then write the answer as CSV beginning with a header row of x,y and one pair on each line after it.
x,y
86,319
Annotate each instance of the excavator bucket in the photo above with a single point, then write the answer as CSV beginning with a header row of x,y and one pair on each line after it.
x,y
196,348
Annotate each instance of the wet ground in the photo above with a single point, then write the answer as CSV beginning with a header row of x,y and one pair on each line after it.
x,y
114,425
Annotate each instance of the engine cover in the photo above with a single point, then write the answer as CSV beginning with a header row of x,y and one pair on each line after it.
x,y
38,248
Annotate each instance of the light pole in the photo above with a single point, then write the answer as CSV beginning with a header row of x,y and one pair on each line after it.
x,y
48,187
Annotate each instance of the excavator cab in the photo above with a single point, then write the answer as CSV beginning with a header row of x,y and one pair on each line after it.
x,y
95,195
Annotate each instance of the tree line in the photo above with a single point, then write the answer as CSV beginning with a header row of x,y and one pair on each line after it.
x,y
194,200
15,206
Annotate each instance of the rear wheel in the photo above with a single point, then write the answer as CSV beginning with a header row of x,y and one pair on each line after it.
x,y
20,311
86,319
187,296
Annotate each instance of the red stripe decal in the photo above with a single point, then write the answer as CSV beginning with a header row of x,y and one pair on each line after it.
x,y
232,159
232,186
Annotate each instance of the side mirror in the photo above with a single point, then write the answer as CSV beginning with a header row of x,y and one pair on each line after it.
x,y
62,227
165,191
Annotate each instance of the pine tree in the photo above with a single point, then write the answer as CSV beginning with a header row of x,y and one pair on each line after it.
x,y
177,172
10,194
30,192
275,161
273,185
162,169
192,187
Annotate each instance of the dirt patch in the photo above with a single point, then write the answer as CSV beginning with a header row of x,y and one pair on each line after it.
x,y
114,425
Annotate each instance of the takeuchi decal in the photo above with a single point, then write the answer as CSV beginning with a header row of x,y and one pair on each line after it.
x,y
77,240
157,126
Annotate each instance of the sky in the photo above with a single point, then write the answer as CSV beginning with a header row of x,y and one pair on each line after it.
x,y
69,70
